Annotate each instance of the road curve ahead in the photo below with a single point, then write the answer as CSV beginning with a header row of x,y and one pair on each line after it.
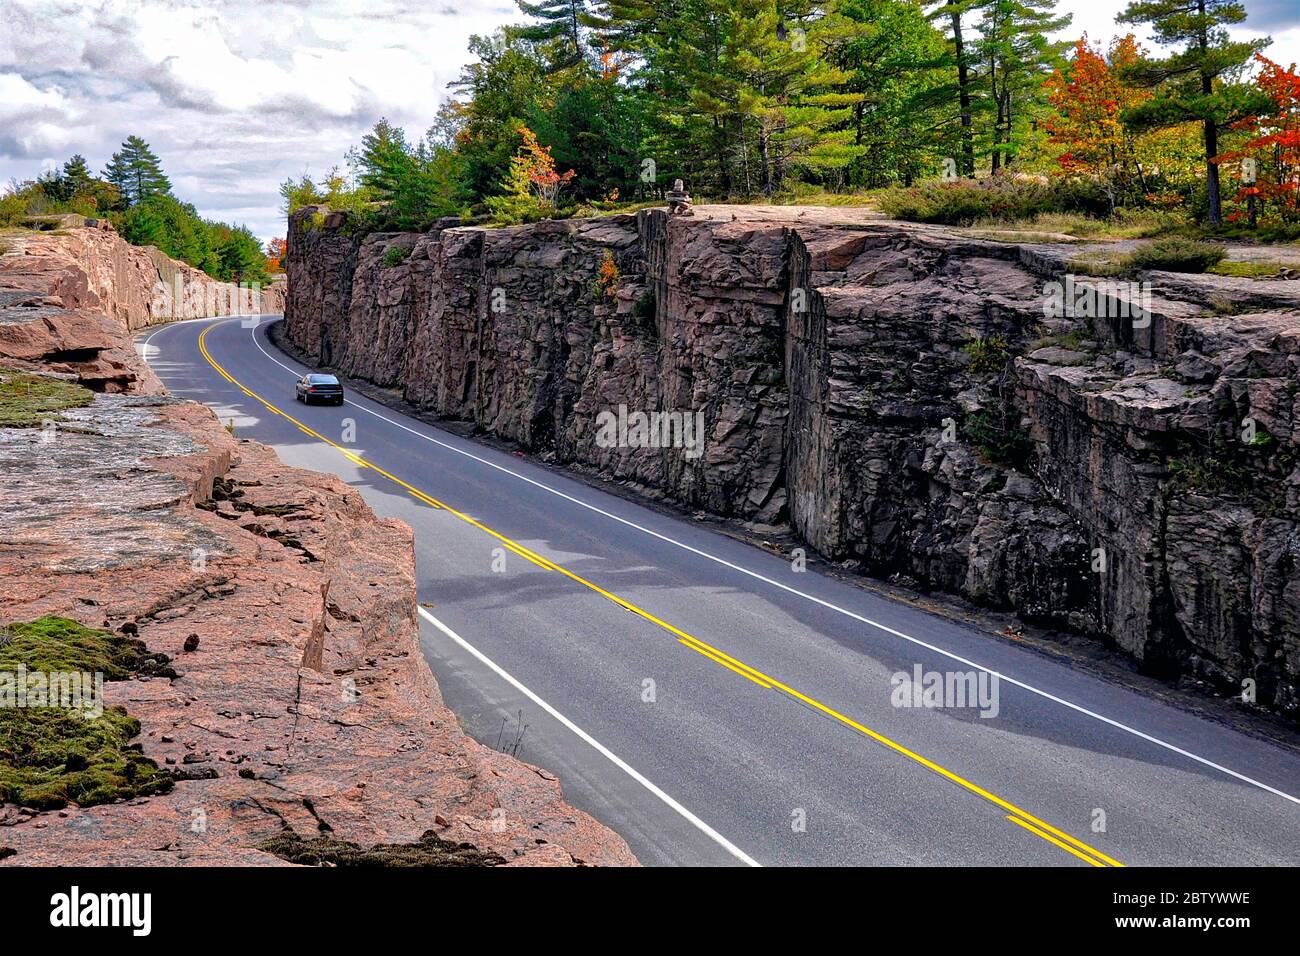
x,y
718,707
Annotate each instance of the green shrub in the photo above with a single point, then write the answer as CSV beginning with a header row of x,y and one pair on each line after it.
x,y
988,354
12,209
396,255
1209,473
644,307
963,202
1178,255
998,439
1104,264
514,210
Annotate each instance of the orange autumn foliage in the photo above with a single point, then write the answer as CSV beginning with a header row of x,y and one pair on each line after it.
x,y
275,251
608,274
1089,98
535,163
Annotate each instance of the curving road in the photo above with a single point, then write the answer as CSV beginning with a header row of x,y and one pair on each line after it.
x,y
717,707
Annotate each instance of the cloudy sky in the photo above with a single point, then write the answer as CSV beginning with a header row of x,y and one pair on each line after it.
x,y
236,96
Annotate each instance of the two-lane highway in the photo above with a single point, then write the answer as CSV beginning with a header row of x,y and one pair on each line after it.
x,y
717,706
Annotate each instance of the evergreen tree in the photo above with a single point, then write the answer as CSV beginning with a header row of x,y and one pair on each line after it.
x,y
560,28
1017,57
955,17
413,185
137,172
239,255
73,186
501,92
894,54
384,160
1190,83
595,127
77,175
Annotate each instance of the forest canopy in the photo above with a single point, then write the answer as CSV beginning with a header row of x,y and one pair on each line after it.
x,y
939,106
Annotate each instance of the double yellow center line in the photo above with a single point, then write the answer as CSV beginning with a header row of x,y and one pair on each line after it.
x,y
1021,818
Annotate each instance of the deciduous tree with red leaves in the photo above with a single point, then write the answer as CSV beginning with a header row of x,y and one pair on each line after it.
x,y
532,185
1269,163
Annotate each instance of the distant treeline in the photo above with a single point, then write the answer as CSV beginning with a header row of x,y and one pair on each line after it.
x,y
135,194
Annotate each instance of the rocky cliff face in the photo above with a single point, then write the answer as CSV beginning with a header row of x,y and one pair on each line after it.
x,y
301,705
903,396
69,299
95,269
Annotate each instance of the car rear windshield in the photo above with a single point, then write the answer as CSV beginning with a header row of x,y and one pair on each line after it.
x,y
322,379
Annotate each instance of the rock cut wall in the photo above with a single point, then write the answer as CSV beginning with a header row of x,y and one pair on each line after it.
x,y
897,393
70,299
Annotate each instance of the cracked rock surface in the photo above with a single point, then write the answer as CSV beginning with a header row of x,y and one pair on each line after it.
x,y
303,703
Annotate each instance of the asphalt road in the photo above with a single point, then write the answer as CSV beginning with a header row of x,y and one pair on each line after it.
x,y
716,706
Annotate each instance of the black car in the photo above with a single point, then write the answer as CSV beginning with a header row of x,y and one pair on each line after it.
x,y
318,387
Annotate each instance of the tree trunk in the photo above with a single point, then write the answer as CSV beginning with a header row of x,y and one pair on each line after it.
x,y
1214,213
997,123
1009,127
963,100
724,173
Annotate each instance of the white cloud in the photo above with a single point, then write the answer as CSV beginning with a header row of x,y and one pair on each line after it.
x,y
34,121
237,95
234,96
1277,18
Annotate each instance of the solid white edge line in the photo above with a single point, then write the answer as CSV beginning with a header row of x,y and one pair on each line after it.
x,y
1173,748
600,748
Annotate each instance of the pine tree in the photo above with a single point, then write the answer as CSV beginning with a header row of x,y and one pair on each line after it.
x,y
1190,83
898,63
952,16
384,160
560,28
137,172
739,92
65,184
77,175
1017,56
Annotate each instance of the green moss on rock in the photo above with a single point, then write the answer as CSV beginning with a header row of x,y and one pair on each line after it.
x,y
59,644
50,756
27,400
